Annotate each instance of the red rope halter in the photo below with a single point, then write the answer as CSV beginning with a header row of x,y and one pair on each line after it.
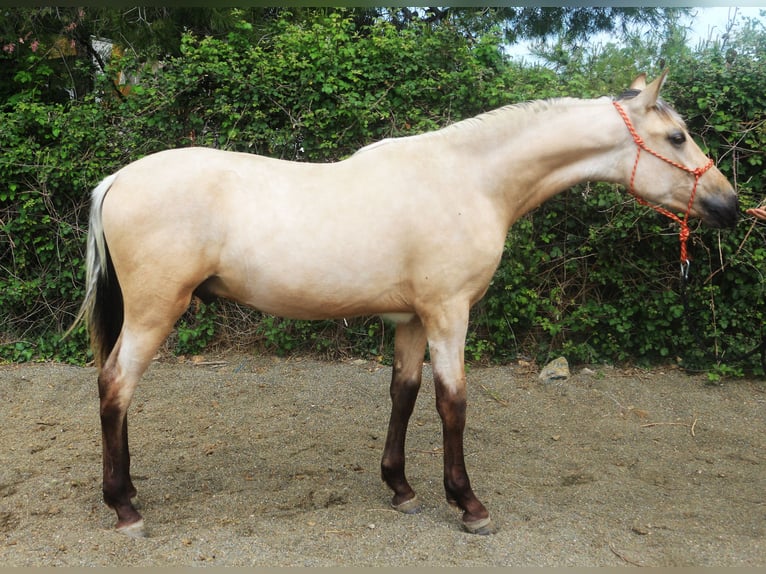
x,y
683,234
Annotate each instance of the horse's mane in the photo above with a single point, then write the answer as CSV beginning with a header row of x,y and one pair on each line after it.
x,y
515,113
512,114
519,114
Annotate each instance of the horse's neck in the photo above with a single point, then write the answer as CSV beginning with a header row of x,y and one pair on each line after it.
x,y
531,152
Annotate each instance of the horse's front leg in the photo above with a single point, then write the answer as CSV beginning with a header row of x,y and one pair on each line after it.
x,y
447,346
409,348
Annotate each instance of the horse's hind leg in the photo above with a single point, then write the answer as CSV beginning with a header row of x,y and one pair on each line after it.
x,y
409,348
115,393
137,344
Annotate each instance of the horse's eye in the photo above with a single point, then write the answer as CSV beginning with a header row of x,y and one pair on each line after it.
x,y
677,138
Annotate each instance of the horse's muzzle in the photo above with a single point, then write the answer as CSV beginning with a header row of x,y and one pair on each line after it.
x,y
720,211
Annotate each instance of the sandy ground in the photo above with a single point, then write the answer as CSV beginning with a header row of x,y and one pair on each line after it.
x,y
247,460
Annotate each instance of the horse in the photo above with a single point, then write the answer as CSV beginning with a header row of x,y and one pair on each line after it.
x,y
409,228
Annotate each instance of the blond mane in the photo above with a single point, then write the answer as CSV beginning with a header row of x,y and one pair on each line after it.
x,y
511,117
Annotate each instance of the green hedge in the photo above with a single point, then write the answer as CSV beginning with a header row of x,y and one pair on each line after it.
x,y
589,274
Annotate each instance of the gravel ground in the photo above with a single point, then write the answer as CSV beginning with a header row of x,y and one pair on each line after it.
x,y
252,460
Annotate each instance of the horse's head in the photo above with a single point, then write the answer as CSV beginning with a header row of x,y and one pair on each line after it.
x,y
670,169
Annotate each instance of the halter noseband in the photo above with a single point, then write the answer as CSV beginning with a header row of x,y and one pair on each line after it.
x,y
683,234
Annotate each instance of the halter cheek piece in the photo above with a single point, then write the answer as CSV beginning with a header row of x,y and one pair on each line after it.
x,y
683,234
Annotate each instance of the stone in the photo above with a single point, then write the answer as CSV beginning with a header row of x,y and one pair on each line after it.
x,y
556,370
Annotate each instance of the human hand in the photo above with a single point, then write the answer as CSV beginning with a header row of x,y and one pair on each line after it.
x,y
759,212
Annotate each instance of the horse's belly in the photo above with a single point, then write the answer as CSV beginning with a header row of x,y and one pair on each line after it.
x,y
309,291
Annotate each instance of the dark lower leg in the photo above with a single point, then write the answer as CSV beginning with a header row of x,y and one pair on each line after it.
x,y
405,384
403,396
452,410
117,486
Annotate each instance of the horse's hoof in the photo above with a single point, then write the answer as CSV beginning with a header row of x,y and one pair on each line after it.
x,y
411,506
481,526
134,530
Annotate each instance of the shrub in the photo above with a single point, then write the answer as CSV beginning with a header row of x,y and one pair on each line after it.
x,y
589,274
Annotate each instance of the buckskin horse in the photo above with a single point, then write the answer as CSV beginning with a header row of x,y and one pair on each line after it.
x,y
409,228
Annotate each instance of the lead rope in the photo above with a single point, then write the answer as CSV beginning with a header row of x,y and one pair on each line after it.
x,y
683,233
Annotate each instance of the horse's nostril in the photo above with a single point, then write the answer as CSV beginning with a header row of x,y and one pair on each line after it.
x,y
721,211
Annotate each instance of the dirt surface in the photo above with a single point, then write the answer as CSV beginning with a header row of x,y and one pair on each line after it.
x,y
265,461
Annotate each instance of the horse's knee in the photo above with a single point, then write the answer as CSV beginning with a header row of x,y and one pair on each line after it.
x,y
404,391
452,407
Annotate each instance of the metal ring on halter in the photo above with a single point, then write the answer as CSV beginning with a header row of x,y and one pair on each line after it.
x,y
685,264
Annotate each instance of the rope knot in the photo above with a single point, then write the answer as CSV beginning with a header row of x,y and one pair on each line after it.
x,y
701,170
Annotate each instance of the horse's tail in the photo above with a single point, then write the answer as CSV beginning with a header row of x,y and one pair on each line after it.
x,y
102,308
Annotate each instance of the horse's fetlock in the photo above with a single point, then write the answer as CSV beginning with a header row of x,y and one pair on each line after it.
x,y
457,487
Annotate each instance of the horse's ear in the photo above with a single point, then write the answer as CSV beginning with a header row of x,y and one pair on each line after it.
x,y
639,83
650,93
